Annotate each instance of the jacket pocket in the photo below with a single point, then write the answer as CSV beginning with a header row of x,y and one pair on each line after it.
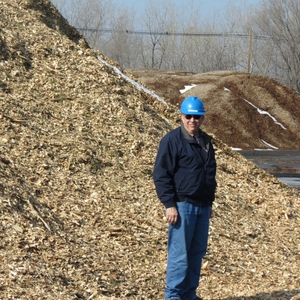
x,y
190,183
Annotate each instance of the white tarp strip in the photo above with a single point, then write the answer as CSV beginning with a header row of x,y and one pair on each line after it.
x,y
137,85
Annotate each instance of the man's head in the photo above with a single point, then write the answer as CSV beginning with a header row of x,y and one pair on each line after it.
x,y
192,110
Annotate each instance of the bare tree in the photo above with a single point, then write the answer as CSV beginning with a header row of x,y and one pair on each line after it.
x,y
90,17
280,21
158,20
187,53
122,46
207,44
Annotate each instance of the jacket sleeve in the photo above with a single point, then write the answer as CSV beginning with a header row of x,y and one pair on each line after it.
x,y
163,173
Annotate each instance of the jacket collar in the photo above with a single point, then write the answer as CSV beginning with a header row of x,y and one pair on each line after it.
x,y
207,138
188,136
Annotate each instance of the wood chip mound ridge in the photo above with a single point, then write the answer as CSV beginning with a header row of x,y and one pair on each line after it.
x,y
79,215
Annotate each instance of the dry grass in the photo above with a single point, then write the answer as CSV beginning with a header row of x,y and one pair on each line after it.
x,y
79,214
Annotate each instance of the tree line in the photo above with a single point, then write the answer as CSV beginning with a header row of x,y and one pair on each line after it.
x,y
262,39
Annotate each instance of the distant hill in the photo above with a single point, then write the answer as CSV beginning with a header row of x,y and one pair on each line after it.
x,y
79,215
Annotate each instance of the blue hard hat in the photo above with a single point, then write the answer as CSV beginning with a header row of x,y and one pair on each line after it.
x,y
192,106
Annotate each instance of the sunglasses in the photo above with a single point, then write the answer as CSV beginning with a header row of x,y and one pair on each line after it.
x,y
196,117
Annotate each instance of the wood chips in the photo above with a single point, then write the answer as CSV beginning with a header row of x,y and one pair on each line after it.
x,y
79,215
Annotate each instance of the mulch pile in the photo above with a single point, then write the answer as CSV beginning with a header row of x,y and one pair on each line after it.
x,y
79,215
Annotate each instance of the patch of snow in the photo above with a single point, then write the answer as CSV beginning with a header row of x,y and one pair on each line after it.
x,y
226,89
187,87
236,149
137,85
269,145
263,112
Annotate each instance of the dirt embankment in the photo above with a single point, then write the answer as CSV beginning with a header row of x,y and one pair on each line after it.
x,y
246,111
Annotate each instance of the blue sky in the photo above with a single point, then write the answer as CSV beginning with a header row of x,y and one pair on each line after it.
x,y
207,6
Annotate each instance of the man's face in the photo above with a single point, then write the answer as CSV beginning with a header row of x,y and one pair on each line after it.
x,y
191,123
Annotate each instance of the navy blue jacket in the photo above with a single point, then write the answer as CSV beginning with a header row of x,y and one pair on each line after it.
x,y
181,173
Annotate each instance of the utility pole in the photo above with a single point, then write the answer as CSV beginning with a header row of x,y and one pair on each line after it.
x,y
249,51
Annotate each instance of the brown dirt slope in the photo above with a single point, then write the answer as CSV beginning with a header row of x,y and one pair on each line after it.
x,y
229,116
79,215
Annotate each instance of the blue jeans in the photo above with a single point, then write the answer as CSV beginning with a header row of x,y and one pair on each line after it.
x,y
187,244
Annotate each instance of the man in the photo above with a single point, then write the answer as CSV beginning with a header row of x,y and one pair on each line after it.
x,y
184,177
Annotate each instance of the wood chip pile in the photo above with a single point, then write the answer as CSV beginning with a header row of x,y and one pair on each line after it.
x,y
79,215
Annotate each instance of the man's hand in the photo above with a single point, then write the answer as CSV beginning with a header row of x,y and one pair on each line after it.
x,y
172,215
